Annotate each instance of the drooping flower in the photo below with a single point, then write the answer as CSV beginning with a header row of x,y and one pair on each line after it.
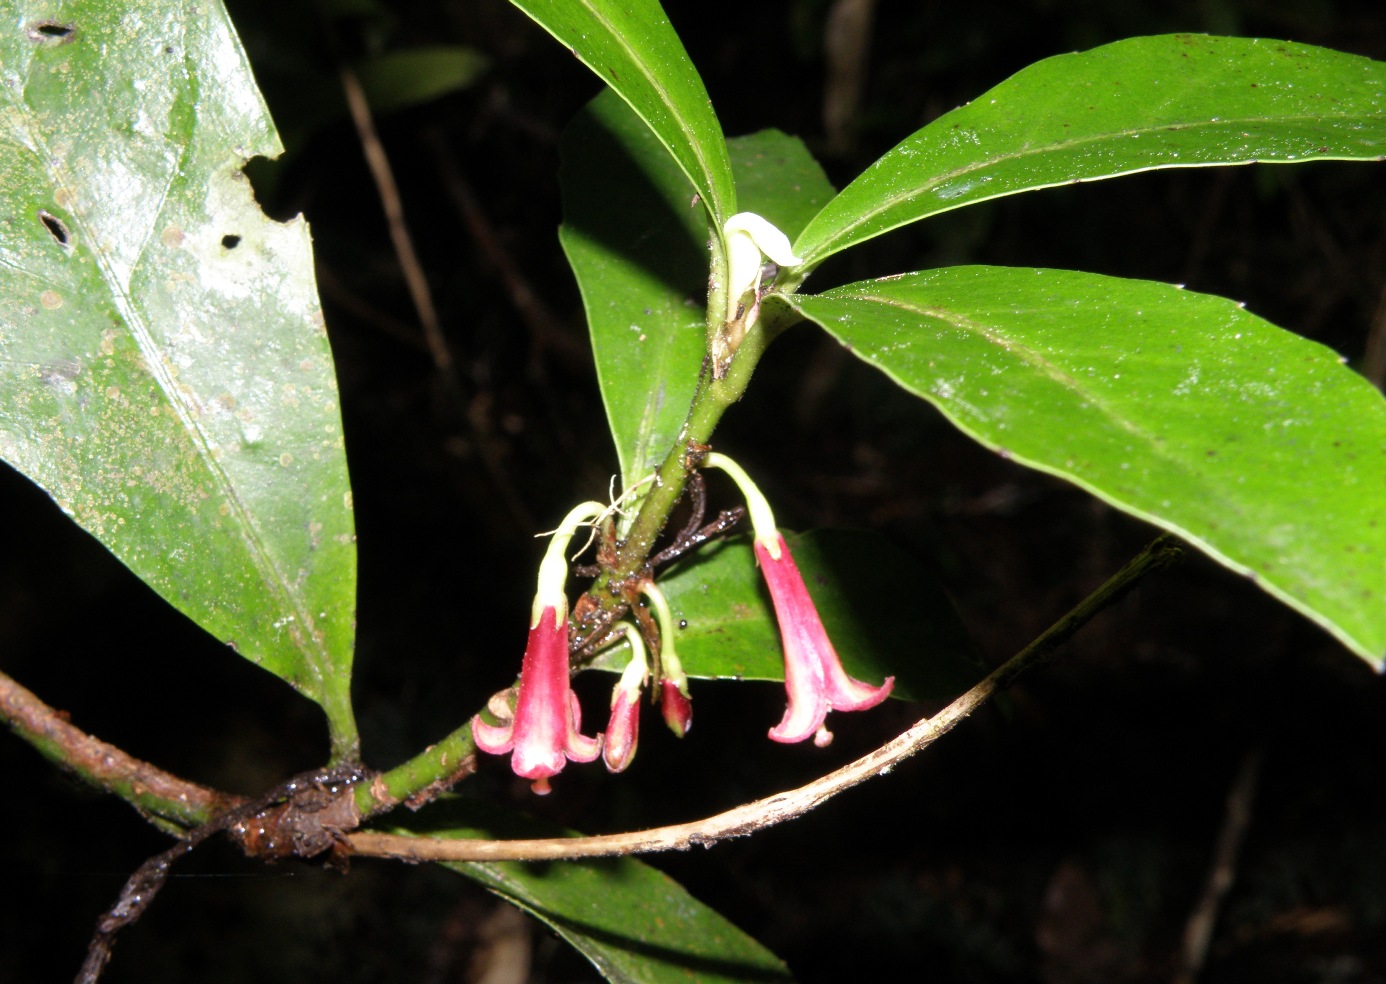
x,y
674,703
544,731
623,731
813,675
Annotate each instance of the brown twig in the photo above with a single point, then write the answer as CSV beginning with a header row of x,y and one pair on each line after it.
x,y
302,817
545,327
758,815
846,54
388,190
1198,932
333,289
173,804
386,187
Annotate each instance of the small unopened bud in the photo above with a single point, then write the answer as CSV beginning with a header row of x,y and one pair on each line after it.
x,y
623,731
676,707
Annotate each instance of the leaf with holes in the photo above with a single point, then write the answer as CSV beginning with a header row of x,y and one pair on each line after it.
x,y
1183,100
164,369
1256,445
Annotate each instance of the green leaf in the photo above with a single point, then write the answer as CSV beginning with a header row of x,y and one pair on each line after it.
x,y
1250,442
636,924
164,369
639,251
397,79
778,179
1183,100
632,46
885,614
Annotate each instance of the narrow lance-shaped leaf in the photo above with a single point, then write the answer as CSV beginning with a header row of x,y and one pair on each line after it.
x,y
164,371
1181,100
632,46
635,924
1254,444
639,251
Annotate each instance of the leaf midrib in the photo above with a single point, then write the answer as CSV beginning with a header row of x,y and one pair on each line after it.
x,y
686,124
828,246
137,324
1060,377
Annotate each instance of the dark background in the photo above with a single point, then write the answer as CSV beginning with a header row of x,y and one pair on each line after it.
x,y
1062,835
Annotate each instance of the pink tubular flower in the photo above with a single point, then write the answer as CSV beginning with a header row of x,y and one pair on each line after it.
x,y
813,674
544,729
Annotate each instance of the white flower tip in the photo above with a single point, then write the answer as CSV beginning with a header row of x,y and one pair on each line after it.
x,y
768,239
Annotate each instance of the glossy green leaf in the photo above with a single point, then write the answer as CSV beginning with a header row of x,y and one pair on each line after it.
x,y
639,252
632,46
397,79
1250,442
164,369
778,179
636,924
885,614
638,248
1182,100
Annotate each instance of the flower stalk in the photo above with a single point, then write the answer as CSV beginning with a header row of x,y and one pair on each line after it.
x,y
675,704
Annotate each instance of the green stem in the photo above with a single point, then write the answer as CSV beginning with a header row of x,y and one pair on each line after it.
x,y
438,766
712,399
170,803
431,771
345,740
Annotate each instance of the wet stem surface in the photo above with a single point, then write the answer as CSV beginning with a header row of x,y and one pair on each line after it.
x,y
1061,835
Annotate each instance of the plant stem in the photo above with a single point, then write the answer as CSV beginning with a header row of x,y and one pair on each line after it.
x,y
712,399
440,765
172,804
341,725
431,771
757,815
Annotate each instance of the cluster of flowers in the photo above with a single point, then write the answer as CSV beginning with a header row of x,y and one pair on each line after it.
x,y
543,728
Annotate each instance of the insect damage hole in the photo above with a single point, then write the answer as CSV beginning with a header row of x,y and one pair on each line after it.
x,y
230,241
52,32
56,227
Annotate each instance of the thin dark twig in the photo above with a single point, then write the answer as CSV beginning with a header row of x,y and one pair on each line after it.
x,y
696,490
382,174
330,784
600,632
1198,932
388,191
135,897
725,520
545,327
